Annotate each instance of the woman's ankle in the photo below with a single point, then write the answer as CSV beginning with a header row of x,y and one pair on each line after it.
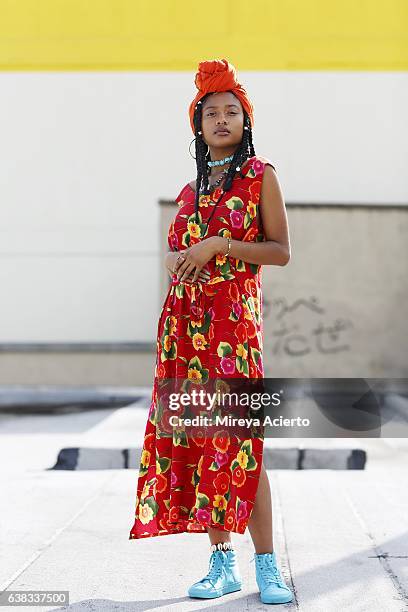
x,y
264,551
225,546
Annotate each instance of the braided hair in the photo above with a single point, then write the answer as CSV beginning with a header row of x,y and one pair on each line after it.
x,y
244,150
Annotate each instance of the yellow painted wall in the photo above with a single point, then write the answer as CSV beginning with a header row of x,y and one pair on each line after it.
x,y
177,34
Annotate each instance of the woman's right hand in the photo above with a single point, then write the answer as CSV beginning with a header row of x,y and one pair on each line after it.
x,y
170,261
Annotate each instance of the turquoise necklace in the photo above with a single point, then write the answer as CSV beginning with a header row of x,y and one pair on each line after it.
x,y
220,162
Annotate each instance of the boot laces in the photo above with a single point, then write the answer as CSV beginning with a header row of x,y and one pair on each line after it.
x,y
215,568
266,566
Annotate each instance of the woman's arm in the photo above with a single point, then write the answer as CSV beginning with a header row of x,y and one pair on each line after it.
x,y
276,249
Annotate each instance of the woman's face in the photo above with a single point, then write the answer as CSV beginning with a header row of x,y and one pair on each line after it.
x,y
222,110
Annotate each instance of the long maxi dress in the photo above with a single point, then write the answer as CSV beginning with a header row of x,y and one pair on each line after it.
x,y
213,330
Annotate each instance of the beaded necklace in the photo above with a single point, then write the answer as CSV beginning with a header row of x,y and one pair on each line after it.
x,y
212,187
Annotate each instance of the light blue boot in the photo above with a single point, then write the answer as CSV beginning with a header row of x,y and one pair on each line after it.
x,y
271,584
223,576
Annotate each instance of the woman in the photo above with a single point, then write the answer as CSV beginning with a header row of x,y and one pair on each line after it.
x,y
230,221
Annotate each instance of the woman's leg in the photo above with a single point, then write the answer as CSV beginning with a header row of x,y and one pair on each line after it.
x,y
260,523
218,535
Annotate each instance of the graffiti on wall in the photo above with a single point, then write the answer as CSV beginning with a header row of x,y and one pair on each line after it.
x,y
303,326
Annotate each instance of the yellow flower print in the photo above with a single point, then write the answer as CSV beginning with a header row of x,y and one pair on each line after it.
x,y
220,502
196,323
145,514
220,259
194,229
204,200
241,351
242,459
199,342
145,458
172,325
247,311
251,209
167,342
145,491
194,374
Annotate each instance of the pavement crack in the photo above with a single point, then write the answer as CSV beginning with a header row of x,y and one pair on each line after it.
x,y
54,536
380,554
277,503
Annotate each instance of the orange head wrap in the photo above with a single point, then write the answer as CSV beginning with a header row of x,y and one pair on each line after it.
x,y
219,75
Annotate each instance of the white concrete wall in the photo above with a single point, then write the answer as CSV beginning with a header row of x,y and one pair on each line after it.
x,y
85,157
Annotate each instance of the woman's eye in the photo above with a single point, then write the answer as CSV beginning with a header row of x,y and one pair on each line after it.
x,y
231,113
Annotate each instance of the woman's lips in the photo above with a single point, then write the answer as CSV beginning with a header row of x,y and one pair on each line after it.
x,y
222,133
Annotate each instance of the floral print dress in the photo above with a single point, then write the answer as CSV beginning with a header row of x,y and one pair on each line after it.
x,y
206,330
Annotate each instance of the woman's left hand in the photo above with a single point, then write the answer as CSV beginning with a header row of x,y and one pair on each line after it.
x,y
196,257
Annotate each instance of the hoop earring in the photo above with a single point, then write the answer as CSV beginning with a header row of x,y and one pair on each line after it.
x,y
189,148
207,152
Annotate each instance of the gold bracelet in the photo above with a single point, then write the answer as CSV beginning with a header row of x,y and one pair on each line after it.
x,y
229,246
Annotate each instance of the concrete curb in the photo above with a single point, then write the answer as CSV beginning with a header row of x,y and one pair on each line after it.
x,y
60,399
88,458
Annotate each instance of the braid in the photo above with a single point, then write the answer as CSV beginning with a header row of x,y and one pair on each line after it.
x,y
244,150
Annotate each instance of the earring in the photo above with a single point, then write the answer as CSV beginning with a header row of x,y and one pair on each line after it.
x,y
189,149
207,152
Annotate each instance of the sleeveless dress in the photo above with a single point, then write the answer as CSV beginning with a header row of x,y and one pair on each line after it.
x,y
206,330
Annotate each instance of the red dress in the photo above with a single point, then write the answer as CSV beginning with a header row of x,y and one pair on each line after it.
x,y
206,331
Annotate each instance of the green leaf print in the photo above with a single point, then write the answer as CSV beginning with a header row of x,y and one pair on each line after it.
x,y
246,447
195,479
214,466
218,516
195,363
164,463
192,218
254,268
202,500
204,376
252,463
247,220
255,354
206,325
201,329
225,267
245,367
179,291
234,465
233,316
224,349
180,439
150,501
185,240
234,203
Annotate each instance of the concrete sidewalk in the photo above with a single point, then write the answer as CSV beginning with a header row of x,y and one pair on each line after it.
x,y
341,536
